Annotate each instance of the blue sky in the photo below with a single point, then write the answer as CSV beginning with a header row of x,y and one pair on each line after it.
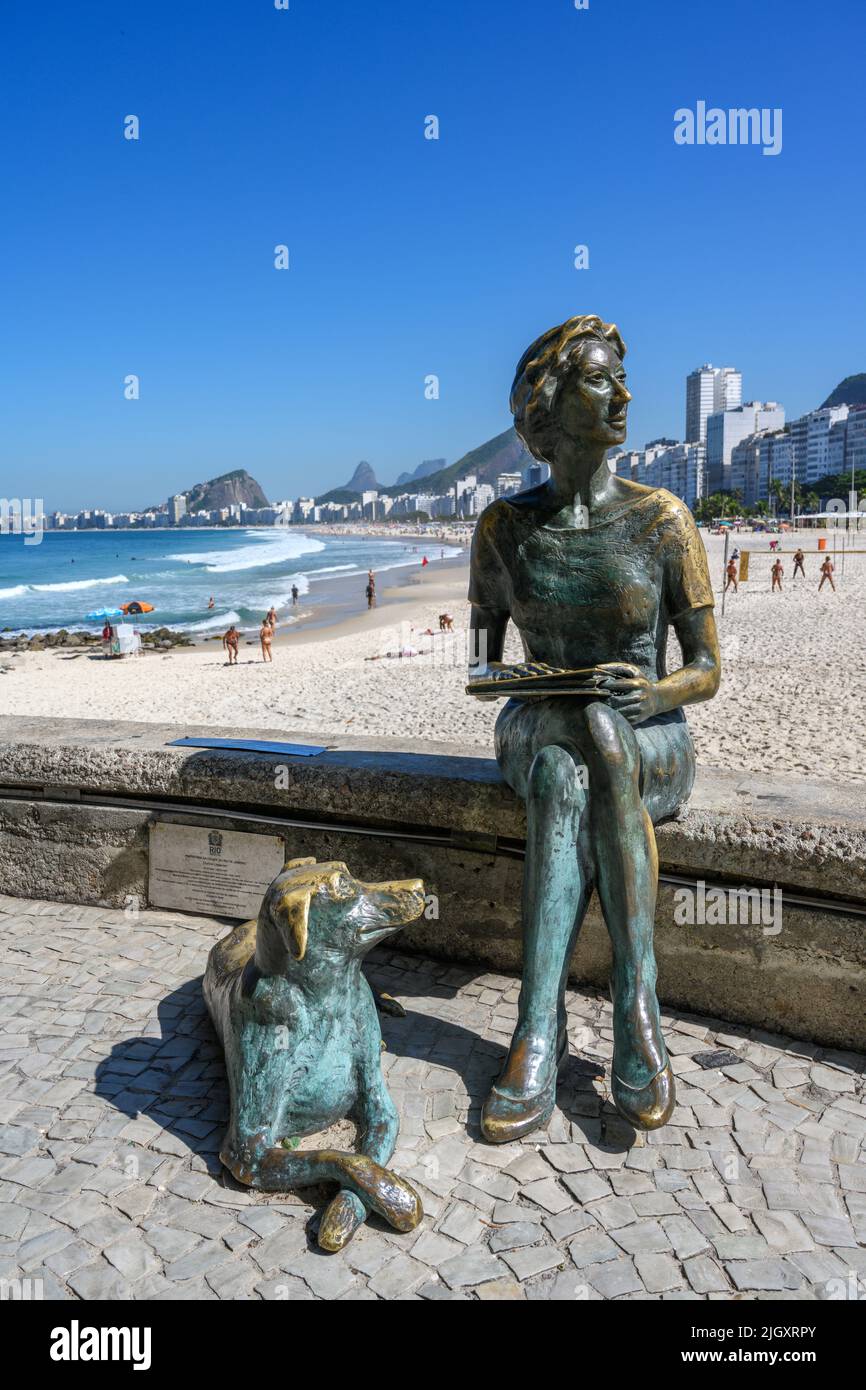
x,y
409,257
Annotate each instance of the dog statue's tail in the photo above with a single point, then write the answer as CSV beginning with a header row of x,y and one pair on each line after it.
x,y
377,1188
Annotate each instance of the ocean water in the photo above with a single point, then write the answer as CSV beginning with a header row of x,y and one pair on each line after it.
x,y
69,574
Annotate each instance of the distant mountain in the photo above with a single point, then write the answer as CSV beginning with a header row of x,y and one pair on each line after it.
x,y
338,495
423,470
851,391
363,479
503,454
230,489
235,488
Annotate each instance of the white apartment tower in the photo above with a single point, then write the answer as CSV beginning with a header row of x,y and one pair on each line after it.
x,y
810,437
507,483
710,390
727,428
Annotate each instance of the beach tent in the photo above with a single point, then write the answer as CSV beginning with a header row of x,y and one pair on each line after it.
x,y
99,615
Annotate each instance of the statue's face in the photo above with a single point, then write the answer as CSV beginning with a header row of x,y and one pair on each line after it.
x,y
594,400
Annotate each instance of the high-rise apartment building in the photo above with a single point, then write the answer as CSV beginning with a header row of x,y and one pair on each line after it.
x,y
855,444
708,390
507,483
810,438
534,474
759,461
728,428
176,508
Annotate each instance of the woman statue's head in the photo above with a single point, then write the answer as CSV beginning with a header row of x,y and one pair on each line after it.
x,y
571,384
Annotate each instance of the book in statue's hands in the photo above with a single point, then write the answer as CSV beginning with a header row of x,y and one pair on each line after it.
x,y
535,680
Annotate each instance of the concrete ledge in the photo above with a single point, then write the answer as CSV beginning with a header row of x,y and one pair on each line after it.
x,y
807,838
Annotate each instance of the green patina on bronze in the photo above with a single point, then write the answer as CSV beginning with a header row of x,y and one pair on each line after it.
x,y
302,1042
593,570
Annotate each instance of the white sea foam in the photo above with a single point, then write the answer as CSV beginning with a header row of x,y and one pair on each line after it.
x,y
78,584
268,549
66,587
223,620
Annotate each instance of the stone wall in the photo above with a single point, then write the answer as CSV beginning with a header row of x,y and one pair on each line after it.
x,y
390,809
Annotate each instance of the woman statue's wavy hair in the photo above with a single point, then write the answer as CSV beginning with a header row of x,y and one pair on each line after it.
x,y
542,371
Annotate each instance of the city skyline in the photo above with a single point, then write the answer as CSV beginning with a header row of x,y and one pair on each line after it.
x,y
408,257
751,435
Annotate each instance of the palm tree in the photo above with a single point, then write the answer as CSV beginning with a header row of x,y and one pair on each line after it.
x,y
779,496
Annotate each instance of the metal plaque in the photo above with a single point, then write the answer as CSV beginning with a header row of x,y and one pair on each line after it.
x,y
215,873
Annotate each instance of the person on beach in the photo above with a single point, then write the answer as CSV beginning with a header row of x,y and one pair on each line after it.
x,y
799,557
827,574
371,585
777,571
731,575
271,618
371,595
266,634
230,642
294,595
424,562
211,603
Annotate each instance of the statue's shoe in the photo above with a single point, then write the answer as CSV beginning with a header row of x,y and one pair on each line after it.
x,y
651,1105
507,1115
646,1107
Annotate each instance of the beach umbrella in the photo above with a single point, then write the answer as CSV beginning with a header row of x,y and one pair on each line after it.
x,y
137,606
100,614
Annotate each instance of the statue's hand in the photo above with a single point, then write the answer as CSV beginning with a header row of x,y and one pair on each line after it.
x,y
485,673
631,694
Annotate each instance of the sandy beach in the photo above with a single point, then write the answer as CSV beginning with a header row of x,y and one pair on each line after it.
x,y
792,695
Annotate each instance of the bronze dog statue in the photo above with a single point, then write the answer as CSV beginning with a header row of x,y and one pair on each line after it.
x,y
302,1042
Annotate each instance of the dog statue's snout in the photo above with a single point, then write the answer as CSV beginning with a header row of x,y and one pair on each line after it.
x,y
390,906
406,885
404,896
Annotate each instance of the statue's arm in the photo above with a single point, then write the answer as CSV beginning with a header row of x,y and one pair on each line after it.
x,y
698,677
639,699
486,640
688,594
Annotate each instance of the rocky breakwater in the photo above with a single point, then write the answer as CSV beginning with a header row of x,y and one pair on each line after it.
x,y
160,639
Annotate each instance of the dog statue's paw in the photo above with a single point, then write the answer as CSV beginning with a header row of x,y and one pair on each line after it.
x,y
242,1171
401,1204
340,1221
387,1004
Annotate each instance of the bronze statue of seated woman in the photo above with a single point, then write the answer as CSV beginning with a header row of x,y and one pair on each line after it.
x,y
592,569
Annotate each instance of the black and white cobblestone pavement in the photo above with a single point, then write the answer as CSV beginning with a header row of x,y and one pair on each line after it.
x,y
113,1103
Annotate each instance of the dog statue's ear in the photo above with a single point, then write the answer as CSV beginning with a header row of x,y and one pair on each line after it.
x,y
297,863
296,906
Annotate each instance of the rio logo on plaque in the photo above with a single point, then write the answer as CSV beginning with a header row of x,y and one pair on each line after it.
x,y
215,873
